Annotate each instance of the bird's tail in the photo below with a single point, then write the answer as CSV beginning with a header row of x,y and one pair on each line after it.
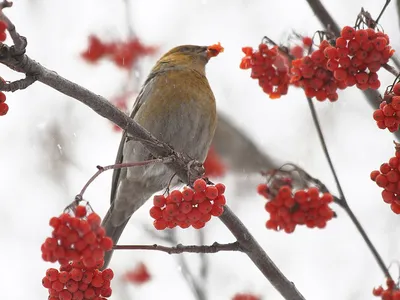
x,y
112,231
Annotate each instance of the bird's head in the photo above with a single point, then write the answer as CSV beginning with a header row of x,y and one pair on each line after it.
x,y
190,56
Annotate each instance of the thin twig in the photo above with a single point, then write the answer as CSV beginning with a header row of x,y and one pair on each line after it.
x,y
164,160
342,201
18,84
214,248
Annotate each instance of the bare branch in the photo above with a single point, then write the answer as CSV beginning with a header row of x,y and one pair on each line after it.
x,y
214,248
18,84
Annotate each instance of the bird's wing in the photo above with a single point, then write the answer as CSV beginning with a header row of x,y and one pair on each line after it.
x,y
119,159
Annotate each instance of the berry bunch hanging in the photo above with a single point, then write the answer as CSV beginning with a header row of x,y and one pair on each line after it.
x,y
388,178
388,113
190,207
313,74
123,54
75,281
138,275
78,243
269,67
390,293
303,207
357,56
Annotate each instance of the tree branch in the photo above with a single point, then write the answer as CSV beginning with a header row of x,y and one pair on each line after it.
x,y
214,248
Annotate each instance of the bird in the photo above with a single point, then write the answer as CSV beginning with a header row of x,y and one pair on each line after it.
x,y
177,106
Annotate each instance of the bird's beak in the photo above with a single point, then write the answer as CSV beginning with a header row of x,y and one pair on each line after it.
x,y
214,50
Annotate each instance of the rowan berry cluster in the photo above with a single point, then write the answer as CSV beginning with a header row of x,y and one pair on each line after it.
x,y
138,275
391,293
245,297
388,113
3,28
190,207
123,54
75,281
388,178
78,243
269,67
312,73
304,207
357,56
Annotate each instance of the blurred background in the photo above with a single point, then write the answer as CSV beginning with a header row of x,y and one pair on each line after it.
x,y
50,146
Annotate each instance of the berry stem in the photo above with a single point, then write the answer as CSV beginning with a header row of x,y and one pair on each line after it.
x,y
164,160
343,202
214,248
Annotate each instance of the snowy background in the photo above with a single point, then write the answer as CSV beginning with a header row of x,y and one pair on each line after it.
x,y
50,145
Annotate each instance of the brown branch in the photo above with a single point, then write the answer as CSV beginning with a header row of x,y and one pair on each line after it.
x,y
214,248
22,63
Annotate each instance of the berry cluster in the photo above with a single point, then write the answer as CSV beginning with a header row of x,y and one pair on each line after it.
x,y
304,207
388,113
245,297
138,275
3,28
78,243
75,238
388,178
358,55
190,207
213,164
269,67
313,74
74,281
391,293
123,54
